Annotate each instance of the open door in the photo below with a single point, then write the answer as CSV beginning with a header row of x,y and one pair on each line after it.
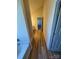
x,y
40,23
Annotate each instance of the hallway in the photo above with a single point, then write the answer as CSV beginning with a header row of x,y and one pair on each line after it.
x,y
39,29
39,48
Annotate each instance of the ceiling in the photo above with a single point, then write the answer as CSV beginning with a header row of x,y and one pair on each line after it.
x,y
35,5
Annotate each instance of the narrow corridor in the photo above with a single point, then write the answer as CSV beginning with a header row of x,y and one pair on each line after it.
x,y
39,29
39,49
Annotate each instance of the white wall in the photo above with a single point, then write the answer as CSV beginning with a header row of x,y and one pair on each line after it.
x,y
48,13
